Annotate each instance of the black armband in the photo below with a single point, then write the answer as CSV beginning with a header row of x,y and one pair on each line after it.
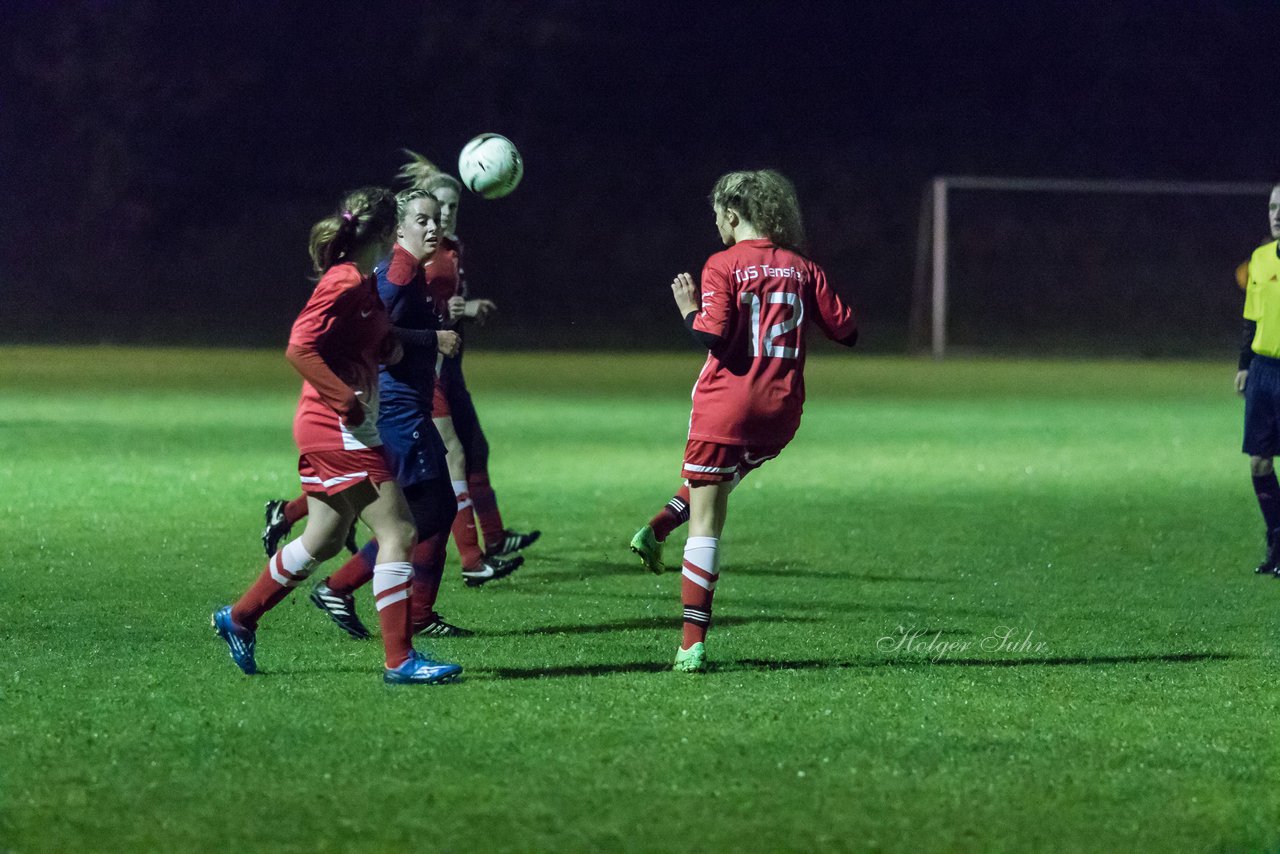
x,y
706,339
1247,331
417,337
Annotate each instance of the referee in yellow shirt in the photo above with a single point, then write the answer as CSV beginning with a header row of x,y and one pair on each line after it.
x,y
1258,379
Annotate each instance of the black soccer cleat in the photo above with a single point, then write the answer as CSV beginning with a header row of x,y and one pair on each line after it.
x,y
341,609
438,628
1271,563
277,527
512,542
492,569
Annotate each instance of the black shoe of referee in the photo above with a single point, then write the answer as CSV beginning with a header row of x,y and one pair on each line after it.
x,y
1271,563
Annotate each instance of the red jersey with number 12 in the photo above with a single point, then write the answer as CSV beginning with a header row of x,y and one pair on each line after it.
x,y
760,298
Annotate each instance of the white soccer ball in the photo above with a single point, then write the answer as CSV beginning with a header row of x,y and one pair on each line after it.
x,y
490,166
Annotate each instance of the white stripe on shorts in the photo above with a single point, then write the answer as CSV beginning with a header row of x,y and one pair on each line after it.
x,y
334,481
711,469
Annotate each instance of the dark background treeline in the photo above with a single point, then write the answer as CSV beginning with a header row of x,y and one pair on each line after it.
x,y
162,162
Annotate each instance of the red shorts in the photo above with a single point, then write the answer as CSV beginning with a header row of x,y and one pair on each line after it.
x,y
711,462
449,383
330,472
440,401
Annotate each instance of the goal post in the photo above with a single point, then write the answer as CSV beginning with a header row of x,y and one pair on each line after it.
x,y
930,292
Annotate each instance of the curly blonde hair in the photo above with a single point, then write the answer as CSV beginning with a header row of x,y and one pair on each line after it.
x,y
421,174
765,199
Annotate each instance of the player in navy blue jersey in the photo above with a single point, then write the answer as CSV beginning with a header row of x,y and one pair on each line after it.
x,y
410,438
453,411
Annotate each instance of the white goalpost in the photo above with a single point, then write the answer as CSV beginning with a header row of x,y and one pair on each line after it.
x,y
930,296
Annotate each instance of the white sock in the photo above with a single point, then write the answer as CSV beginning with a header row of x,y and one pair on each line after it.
x,y
292,564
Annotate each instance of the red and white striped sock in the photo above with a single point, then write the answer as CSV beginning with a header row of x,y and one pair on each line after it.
x,y
391,589
671,516
464,529
698,587
356,572
286,569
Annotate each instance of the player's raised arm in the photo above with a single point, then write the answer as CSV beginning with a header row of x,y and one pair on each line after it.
x,y
692,308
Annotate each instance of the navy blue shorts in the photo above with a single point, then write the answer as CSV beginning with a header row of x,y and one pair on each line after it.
x,y
413,445
1262,408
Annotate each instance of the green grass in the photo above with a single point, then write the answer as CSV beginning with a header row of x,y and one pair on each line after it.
x,y
1102,507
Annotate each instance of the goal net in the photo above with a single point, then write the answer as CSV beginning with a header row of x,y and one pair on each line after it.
x,y
1082,267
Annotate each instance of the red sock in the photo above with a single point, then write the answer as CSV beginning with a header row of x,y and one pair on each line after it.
x,y
286,569
391,591
464,529
486,507
672,516
296,509
428,568
355,573
698,586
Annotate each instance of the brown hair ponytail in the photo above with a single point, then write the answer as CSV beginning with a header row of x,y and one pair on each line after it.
x,y
365,215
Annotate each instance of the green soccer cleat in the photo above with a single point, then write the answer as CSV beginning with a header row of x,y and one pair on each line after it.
x,y
645,543
691,660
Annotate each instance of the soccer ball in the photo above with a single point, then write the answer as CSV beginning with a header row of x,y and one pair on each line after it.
x,y
490,166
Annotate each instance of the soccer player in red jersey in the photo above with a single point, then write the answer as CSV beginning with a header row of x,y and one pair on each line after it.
x,y
404,423
453,411
758,298
336,344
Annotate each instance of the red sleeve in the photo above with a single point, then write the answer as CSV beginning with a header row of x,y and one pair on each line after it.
x,y
308,334
716,315
835,317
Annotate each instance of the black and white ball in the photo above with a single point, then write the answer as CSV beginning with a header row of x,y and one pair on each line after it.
x,y
490,166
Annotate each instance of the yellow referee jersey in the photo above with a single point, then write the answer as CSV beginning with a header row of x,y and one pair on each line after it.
x,y
1262,299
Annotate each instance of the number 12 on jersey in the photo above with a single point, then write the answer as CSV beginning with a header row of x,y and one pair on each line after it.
x,y
769,343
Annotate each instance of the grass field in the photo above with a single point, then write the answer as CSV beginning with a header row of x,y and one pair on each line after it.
x,y
1102,509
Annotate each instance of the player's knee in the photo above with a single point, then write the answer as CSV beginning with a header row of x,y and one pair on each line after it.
x,y
403,535
396,538
1261,466
323,545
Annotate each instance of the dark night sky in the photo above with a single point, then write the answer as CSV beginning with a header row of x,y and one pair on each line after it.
x,y
179,152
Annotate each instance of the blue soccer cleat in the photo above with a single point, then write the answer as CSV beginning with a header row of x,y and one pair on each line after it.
x,y
240,641
420,670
